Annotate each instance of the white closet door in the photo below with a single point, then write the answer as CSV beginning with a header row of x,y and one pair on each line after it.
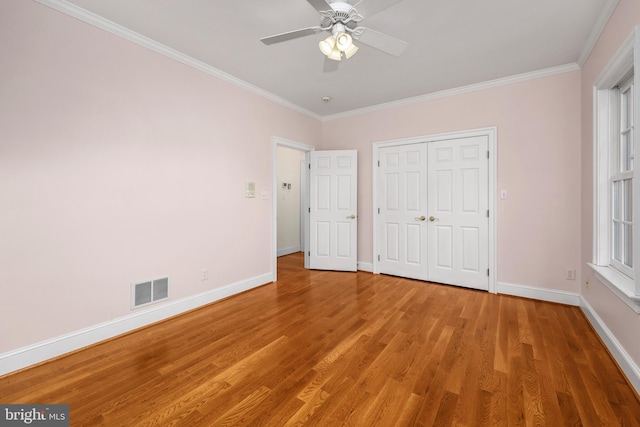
x,y
402,194
458,187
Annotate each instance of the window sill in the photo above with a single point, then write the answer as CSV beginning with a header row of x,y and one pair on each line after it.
x,y
619,284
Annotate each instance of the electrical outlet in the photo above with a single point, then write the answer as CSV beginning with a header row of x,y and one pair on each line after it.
x,y
205,274
570,274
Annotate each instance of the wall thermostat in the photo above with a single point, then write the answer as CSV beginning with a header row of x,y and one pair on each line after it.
x,y
250,189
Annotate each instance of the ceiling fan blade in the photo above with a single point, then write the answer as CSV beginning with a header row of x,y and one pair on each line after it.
x,y
278,38
368,8
319,5
383,42
330,65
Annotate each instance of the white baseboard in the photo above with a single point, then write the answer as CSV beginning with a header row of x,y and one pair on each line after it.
x,y
365,266
45,350
541,294
289,250
626,363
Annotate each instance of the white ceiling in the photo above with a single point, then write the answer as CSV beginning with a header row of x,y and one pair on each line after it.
x,y
452,43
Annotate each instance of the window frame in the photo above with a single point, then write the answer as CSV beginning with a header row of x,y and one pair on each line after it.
x,y
624,67
620,174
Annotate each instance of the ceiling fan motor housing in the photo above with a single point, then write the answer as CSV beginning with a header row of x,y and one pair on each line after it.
x,y
342,14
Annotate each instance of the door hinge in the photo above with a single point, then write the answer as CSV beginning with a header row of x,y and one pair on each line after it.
x,y
378,163
487,272
378,257
487,213
378,211
309,210
487,154
309,166
309,253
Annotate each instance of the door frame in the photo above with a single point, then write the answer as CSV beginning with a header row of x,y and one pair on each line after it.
x,y
304,201
491,133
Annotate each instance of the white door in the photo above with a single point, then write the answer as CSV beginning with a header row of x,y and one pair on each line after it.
x,y
458,218
333,210
402,195
433,222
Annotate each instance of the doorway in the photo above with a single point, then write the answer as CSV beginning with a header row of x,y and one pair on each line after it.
x,y
302,201
434,208
328,206
288,195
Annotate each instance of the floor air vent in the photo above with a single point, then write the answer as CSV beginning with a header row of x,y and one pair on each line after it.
x,y
148,292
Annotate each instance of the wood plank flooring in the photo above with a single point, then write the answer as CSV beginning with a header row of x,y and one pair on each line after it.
x,y
329,348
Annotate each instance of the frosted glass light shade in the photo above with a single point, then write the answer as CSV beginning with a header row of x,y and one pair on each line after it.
x,y
343,41
327,45
335,54
351,50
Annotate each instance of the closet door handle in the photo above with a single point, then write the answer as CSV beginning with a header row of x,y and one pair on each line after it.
x,y
420,218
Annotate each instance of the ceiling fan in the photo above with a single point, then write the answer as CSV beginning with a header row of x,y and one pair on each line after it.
x,y
341,19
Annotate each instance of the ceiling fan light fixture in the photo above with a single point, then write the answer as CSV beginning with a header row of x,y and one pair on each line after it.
x,y
344,41
335,54
351,50
327,45
342,22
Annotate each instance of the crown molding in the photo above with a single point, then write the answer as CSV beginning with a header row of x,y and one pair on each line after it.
x,y
125,33
458,91
596,31
120,31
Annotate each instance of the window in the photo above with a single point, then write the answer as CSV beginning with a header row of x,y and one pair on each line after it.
x,y
616,196
621,178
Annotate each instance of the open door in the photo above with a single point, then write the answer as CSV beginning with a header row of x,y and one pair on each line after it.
x,y
333,215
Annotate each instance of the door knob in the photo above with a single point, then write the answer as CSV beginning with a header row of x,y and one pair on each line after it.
x,y
420,218
351,216
432,218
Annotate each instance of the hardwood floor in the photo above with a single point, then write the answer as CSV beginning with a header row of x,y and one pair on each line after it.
x,y
329,348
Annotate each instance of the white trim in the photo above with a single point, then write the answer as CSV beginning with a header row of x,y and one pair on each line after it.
x,y
596,31
45,350
626,363
620,63
550,295
621,285
492,134
458,91
601,208
304,203
127,34
275,142
289,250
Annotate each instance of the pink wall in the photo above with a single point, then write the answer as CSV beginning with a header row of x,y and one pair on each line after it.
x,y
618,317
118,164
538,124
